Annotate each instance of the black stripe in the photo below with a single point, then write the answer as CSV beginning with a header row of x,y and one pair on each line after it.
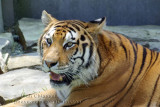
x,y
110,43
117,36
71,29
74,25
100,58
113,43
57,26
84,45
136,46
153,92
155,58
107,49
90,55
108,102
79,23
143,60
135,60
71,35
90,51
76,51
150,61
78,42
85,33
129,55
125,50
64,26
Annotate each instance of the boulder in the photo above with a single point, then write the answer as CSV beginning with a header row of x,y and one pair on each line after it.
x,y
1,72
2,101
22,82
3,63
17,32
23,61
31,29
6,42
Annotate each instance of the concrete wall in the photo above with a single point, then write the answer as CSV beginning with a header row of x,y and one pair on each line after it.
x,y
118,12
8,12
1,18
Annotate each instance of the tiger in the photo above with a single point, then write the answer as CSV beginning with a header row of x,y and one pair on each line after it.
x,y
93,67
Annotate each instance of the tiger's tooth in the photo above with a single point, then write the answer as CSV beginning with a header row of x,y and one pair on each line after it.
x,y
50,76
60,79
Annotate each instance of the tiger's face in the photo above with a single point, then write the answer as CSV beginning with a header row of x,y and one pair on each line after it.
x,y
68,52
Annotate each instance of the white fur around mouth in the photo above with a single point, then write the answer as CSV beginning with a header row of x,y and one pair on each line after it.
x,y
61,70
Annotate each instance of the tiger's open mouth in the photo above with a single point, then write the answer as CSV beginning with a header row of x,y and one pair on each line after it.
x,y
60,78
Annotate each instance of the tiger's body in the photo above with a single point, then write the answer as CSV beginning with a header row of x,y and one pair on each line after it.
x,y
105,69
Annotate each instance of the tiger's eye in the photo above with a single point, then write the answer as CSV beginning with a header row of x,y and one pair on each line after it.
x,y
69,44
49,41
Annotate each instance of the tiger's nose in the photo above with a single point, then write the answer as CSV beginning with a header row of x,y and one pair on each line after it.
x,y
51,64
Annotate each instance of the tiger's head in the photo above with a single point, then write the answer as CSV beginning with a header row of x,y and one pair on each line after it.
x,y
68,50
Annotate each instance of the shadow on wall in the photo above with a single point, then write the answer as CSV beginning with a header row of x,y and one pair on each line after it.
x,y
1,19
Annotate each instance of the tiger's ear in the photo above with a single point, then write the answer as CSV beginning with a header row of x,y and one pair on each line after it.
x,y
47,18
94,27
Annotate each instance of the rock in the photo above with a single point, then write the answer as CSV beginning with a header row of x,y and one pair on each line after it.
x,y
24,60
143,35
17,49
21,39
1,72
31,29
3,63
6,42
7,36
21,82
2,101
3,43
4,46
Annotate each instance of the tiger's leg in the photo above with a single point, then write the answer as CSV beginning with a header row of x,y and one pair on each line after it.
x,y
43,99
